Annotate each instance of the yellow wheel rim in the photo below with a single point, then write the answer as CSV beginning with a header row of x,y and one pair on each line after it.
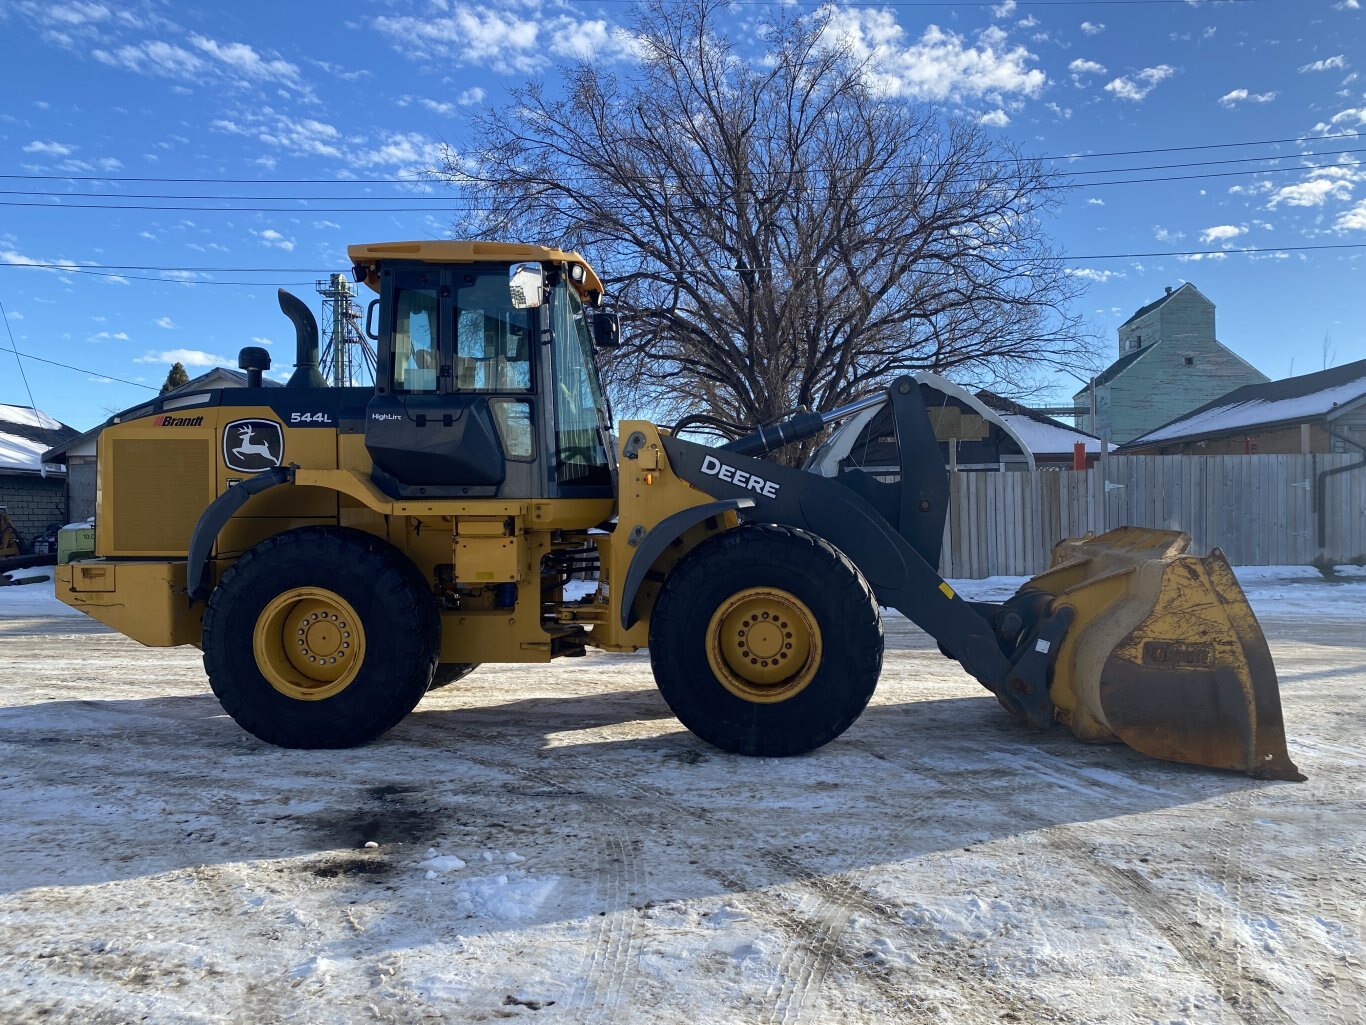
x,y
309,643
763,645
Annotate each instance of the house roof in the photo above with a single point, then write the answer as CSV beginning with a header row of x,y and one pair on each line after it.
x,y
25,434
1292,400
1116,368
1143,311
1041,434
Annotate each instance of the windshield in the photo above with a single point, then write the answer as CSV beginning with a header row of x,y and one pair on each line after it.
x,y
579,406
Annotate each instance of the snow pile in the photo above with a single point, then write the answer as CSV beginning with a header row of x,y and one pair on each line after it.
x,y
1256,412
1048,438
511,896
27,416
20,453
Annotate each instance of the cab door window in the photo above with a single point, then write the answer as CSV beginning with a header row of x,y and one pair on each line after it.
x,y
492,339
416,357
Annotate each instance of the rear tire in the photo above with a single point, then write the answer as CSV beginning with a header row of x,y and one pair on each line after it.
x,y
320,637
766,641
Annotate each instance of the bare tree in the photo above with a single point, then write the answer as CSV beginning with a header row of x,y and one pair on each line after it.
x,y
774,233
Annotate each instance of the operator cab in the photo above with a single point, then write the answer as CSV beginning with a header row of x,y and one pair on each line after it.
x,y
485,381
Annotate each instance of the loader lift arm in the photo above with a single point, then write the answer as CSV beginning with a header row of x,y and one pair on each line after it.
x,y
1126,637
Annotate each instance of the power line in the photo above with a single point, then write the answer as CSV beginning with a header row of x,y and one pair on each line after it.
x,y
81,370
457,207
1218,252
963,3
644,178
700,174
15,349
329,270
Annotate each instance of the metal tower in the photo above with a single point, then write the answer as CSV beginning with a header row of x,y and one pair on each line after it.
x,y
347,355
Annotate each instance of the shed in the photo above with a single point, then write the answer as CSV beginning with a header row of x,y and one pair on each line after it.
x,y
32,487
1321,412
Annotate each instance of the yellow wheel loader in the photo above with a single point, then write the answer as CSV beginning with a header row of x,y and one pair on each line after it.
x,y
336,552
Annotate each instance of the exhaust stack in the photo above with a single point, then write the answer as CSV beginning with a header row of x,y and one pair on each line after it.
x,y
306,374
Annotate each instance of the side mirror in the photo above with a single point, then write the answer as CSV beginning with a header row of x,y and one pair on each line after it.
x,y
606,329
370,320
526,285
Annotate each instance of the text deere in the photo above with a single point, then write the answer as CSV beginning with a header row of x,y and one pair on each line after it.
x,y
740,478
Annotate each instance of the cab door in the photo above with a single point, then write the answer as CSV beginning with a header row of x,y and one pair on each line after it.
x,y
452,405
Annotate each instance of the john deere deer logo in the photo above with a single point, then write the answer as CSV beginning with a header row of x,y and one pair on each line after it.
x,y
251,446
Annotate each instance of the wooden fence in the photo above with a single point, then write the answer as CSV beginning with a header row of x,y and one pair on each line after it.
x,y
1261,510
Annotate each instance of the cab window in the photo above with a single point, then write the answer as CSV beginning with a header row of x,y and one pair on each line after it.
x,y
579,406
415,355
492,339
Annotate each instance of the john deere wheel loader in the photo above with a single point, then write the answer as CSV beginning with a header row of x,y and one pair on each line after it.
x,y
336,552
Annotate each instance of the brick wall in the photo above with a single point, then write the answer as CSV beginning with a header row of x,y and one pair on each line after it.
x,y
33,504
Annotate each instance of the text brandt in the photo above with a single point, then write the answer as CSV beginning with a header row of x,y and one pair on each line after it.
x,y
713,467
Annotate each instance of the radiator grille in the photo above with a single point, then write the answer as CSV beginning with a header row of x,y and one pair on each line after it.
x,y
160,487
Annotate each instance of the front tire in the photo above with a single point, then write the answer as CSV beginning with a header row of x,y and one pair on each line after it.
x,y
448,673
320,637
766,641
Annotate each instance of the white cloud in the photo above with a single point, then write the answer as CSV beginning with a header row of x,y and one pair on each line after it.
x,y
1003,10
1136,89
165,322
271,237
303,136
1091,28
50,149
405,150
1347,5
1093,201
261,340
940,64
154,57
1197,257
504,41
1100,277
241,59
1221,233
1353,219
105,336
1237,96
1336,63
188,357
471,96
997,118
582,40
1314,192
1349,118
1164,235
1086,67
443,109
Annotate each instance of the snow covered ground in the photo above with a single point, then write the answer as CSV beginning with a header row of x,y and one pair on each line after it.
x,y
548,843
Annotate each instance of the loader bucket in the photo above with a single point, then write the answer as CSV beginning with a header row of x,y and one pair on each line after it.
x,y
1164,653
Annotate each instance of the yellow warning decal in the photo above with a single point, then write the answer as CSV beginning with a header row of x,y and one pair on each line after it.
x,y
948,591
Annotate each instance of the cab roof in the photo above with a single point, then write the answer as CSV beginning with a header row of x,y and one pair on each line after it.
x,y
368,255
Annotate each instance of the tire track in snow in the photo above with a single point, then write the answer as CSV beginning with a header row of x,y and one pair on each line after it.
x,y
1250,1001
605,985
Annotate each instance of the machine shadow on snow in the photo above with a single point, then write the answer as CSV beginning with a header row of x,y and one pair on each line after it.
x,y
458,778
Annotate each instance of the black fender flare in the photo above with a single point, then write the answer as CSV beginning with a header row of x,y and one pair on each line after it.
x,y
215,516
663,534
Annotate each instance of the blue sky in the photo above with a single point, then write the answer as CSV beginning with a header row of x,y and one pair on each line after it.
x,y
353,100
